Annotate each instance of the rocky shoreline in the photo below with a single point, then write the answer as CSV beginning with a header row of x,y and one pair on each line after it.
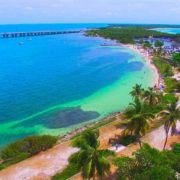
x,y
69,135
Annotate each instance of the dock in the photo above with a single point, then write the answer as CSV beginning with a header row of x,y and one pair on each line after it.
x,y
35,33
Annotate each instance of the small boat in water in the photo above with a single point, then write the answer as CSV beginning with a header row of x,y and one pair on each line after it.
x,y
21,43
29,39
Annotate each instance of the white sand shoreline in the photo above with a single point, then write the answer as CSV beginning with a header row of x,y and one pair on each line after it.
x,y
149,61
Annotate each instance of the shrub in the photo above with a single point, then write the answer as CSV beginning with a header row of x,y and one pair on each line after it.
x,y
13,150
27,147
164,68
169,98
68,172
176,57
37,144
171,85
159,43
126,140
18,159
176,148
148,164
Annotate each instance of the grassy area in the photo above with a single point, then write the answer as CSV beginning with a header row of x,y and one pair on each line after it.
x,y
68,172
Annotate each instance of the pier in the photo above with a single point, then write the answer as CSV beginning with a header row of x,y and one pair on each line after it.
x,y
34,33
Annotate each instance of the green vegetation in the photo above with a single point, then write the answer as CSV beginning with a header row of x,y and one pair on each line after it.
x,y
126,140
176,58
137,91
151,97
90,160
68,172
170,116
149,164
169,98
147,44
164,68
159,43
141,41
176,148
128,34
137,116
172,85
22,149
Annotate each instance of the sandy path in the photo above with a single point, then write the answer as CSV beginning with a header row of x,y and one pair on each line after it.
x,y
41,166
155,138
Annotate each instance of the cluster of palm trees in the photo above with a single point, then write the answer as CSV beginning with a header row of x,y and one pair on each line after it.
x,y
92,161
139,114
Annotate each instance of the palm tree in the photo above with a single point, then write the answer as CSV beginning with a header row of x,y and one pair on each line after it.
x,y
90,159
137,91
151,97
137,116
170,116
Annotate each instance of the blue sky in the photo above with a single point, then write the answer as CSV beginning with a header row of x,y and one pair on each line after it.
x,y
89,11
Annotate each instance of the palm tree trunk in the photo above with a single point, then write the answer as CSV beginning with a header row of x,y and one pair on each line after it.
x,y
167,132
140,143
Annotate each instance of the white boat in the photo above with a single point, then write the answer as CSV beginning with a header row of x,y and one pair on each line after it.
x,y
29,39
21,43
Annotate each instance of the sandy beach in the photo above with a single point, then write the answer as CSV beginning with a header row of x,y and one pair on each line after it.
x,y
149,61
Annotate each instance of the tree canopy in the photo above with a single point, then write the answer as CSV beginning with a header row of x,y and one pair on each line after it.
x,y
159,43
90,159
176,57
150,164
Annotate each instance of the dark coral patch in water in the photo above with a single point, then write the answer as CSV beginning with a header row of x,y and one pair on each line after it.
x,y
61,118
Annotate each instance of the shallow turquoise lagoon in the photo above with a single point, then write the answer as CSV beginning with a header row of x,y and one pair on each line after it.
x,y
169,30
54,84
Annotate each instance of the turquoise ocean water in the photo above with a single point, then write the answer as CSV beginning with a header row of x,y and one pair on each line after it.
x,y
54,84
169,30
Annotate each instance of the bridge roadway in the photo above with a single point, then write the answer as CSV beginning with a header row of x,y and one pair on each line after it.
x,y
35,33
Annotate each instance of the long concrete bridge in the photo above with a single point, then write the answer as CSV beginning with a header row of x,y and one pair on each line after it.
x,y
34,33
